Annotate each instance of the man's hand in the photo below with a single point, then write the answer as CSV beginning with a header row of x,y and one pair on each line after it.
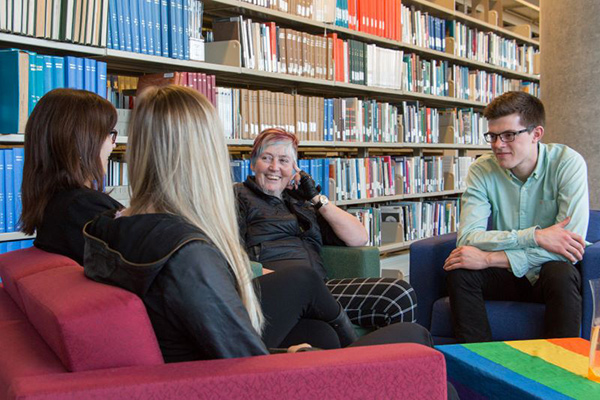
x,y
467,257
556,239
295,348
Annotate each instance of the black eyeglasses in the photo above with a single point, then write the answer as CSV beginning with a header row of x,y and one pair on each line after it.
x,y
506,136
113,136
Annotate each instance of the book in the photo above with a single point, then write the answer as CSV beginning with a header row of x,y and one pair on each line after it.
x,y
15,96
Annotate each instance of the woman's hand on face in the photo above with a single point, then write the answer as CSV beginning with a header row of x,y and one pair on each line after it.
x,y
294,182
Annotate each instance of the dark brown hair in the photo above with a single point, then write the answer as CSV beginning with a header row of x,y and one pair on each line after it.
x,y
63,138
529,108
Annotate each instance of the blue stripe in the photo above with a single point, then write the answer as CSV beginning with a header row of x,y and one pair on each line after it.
x,y
492,379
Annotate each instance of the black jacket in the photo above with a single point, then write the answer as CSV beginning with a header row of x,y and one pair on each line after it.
x,y
185,283
281,232
61,231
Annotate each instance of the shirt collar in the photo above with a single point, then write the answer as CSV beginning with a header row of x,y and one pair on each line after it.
x,y
539,165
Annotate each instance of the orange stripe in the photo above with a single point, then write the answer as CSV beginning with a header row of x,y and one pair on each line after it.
x,y
576,345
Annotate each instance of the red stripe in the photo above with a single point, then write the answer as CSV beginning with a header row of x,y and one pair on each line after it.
x,y
575,345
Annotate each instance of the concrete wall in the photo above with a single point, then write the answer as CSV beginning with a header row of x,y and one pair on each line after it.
x,y
570,80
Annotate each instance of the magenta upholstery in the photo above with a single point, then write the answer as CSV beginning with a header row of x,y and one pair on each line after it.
x,y
24,353
402,371
18,264
103,334
8,309
87,324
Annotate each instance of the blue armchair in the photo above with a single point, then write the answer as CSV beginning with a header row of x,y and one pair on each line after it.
x,y
509,320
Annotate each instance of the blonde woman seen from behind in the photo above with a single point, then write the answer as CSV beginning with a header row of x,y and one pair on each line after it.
x,y
177,246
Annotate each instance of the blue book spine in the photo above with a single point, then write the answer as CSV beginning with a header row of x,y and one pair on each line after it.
x,y
71,72
18,156
3,248
79,73
164,19
48,74
149,25
2,194
87,74
135,24
113,25
326,163
9,209
120,24
179,33
127,25
26,243
142,17
173,23
101,87
156,27
58,76
94,76
32,85
443,35
186,29
12,246
325,122
109,33
331,110
39,77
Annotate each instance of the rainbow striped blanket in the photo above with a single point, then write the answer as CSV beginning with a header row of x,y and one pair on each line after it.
x,y
526,369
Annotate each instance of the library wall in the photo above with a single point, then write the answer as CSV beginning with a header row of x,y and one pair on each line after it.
x,y
570,83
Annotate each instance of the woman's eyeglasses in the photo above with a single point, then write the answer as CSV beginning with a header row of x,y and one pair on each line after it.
x,y
113,136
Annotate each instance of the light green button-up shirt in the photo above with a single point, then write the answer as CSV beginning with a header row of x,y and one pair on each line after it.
x,y
556,189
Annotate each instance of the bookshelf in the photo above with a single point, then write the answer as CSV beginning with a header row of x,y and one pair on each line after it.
x,y
235,76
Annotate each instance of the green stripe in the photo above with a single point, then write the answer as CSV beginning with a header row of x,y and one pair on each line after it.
x,y
537,370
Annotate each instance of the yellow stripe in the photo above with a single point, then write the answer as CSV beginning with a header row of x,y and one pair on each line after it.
x,y
553,354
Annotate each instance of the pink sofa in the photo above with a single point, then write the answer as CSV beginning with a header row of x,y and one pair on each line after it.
x,y
63,336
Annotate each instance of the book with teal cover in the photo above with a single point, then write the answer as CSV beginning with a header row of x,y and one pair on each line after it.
x,y
14,96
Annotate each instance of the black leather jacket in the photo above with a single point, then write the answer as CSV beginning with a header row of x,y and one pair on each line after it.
x,y
185,283
281,232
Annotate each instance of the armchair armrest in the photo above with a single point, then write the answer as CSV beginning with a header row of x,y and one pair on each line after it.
x,y
427,276
351,262
589,270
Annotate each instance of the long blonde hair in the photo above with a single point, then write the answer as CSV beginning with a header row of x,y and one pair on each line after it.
x,y
178,163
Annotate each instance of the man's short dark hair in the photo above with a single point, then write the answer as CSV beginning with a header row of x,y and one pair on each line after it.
x,y
529,108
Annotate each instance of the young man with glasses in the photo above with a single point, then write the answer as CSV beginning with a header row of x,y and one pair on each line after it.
x,y
535,197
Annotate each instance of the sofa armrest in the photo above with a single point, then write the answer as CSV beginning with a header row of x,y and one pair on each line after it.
x,y
589,270
427,276
351,262
398,371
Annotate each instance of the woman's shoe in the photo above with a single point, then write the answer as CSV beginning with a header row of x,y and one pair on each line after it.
x,y
343,327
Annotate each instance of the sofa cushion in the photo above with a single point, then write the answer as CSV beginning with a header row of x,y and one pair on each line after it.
x,y
17,264
89,325
23,353
8,309
511,320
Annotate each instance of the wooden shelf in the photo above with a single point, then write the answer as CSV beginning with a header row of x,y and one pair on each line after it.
x,y
233,7
523,10
397,197
446,13
10,236
135,62
390,247
50,46
19,138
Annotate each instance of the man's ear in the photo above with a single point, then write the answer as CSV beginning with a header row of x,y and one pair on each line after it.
x,y
538,133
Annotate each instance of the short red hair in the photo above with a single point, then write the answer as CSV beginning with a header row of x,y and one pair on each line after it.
x,y
269,137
